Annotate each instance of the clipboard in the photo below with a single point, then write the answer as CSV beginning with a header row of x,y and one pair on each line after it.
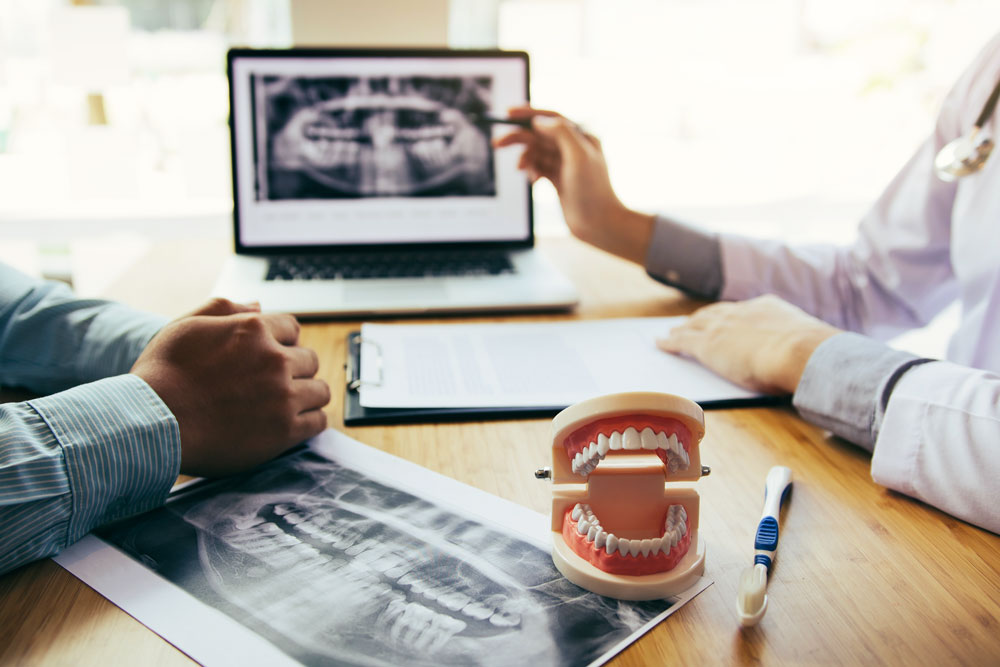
x,y
356,414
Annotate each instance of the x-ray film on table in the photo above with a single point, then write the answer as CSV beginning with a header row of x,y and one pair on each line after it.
x,y
340,554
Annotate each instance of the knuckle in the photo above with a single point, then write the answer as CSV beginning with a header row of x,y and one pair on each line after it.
x,y
293,324
270,364
219,303
253,323
279,364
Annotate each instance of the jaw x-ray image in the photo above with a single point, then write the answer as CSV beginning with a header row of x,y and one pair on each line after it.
x,y
340,137
335,568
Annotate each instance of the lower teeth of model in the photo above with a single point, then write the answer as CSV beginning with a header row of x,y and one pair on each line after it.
x,y
588,525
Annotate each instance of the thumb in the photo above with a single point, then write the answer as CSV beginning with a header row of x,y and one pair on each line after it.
x,y
559,130
220,307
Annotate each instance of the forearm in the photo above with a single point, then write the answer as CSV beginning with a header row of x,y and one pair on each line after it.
x,y
78,459
622,232
50,340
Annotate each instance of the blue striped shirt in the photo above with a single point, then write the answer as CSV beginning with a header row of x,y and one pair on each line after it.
x,y
103,446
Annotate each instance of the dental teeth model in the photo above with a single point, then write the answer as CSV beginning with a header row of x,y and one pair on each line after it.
x,y
620,527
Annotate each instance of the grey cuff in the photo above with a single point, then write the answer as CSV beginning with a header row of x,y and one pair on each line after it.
x,y
846,386
685,257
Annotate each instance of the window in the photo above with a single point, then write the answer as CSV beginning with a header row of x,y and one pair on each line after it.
x,y
116,111
773,117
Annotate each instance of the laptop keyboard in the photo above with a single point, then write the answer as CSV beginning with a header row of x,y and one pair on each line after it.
x,y
398,264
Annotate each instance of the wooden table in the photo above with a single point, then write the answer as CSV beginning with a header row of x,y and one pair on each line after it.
x,y
865,575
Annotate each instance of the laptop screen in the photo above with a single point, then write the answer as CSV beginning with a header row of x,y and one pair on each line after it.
x,y
337,147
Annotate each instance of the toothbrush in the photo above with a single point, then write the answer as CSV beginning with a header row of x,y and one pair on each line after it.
x,y
751,600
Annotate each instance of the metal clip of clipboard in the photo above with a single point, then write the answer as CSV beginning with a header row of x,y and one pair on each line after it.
x,y
352,369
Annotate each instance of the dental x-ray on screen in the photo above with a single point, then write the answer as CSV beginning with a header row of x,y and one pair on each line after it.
x,y
334,137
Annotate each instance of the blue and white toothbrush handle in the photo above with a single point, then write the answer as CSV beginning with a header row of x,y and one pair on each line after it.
x,y
776,488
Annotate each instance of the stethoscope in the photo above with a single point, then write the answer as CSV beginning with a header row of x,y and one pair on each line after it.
x,y
967,155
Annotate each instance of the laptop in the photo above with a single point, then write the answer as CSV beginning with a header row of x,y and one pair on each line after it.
x,y
365,183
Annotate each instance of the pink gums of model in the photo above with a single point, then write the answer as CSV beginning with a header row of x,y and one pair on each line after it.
x,y
620,526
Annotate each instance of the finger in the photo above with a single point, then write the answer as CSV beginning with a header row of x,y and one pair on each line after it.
x,y
310,394
594,141
535,160
283,327
548,118
303,362
681,340
563,132
667,345
515,137
526,161
221,307
308,424
527,111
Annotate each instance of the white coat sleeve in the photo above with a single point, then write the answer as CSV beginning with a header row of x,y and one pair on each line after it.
x,y
933,426
940,441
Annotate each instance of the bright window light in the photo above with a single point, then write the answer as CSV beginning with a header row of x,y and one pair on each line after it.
x,y
772,117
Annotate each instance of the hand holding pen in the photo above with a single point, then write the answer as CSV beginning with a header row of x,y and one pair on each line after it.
x,y
557,149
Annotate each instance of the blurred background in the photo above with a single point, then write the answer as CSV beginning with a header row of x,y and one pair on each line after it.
x,y
771,117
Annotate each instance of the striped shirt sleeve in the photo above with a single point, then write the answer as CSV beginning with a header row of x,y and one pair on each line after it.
x,y
105,447
80,458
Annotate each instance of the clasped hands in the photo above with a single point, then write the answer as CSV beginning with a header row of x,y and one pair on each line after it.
x,y
240,386
762,343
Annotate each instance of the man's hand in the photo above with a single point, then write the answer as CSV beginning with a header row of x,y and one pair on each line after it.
x,y
560,151
241,389
762,343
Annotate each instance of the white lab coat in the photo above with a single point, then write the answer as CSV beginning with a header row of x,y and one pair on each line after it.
x,y
924,244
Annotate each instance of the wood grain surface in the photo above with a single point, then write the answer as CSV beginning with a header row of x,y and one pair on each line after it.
x,y
864,575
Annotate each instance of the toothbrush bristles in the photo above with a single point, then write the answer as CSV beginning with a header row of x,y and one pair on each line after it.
x,y
753,587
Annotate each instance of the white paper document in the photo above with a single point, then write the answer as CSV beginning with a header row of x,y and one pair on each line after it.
x,y
340,554
526,365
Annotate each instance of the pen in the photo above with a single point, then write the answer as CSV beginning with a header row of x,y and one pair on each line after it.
x,y
484,119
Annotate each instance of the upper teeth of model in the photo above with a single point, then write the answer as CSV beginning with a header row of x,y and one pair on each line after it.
x,y
674,528
587,459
